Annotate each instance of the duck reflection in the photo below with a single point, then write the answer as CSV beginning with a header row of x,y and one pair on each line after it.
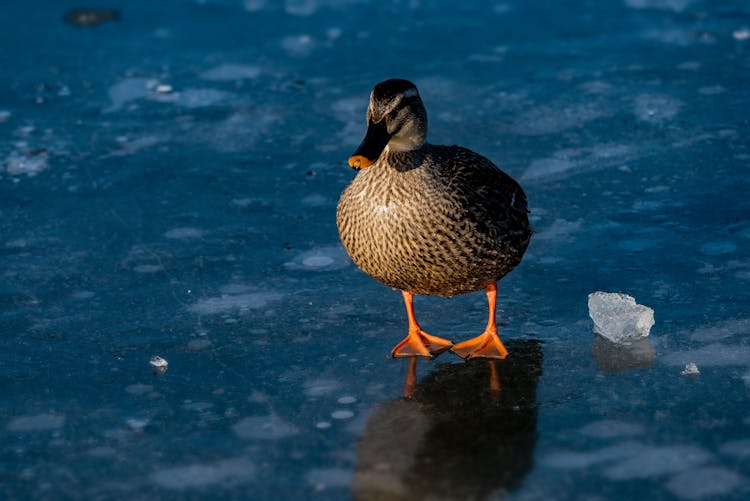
x,y
466,431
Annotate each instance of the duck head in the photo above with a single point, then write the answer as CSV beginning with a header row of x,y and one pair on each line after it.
x,y
396,119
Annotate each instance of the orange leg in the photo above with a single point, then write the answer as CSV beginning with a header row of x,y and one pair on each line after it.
x,y
418,342
487,344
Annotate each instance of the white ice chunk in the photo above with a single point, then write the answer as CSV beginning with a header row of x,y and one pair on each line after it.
x,y
618,318
690,370
741,34
158,365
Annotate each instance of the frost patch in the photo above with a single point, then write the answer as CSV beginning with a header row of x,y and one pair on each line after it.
x,y
656,109
226,472
544,167
29,164
705,483
559,230
264,428
658,461
134,89
194,98
241,130
321,387
323,478
126,91
554,119
739,448
722,330
139,389
184,233
39,422
231,72
610,429
673,5
718,248
226,303
320,259
298,45
148,268
712,355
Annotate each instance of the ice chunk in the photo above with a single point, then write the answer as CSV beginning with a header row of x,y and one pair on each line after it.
x,y
618,318
690,370
741,34
158,365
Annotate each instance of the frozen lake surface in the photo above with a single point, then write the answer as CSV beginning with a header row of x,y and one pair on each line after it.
x,y
168,184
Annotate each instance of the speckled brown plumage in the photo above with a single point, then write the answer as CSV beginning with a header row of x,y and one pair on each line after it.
x,y
438,220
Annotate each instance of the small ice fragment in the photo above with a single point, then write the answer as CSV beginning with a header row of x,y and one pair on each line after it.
x,y
164,88
4,115
347,399
158,364
690,370
741,34
618,318
323,425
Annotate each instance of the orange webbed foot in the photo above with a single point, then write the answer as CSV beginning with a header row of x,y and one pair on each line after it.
x,y
419,343
485,345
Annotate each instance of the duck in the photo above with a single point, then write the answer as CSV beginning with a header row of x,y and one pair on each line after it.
x,y
428,219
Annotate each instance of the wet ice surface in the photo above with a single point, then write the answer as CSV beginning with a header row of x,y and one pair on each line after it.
x,y
168,185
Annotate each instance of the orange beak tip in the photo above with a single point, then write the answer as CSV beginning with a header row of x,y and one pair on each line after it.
x,y
359,162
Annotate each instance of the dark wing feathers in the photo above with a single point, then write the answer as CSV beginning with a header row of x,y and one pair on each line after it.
x,y
498,204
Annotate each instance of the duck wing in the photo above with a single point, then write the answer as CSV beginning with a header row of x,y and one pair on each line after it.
x,y
492,201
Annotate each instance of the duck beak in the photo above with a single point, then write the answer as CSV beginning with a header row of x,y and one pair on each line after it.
x,y
372,146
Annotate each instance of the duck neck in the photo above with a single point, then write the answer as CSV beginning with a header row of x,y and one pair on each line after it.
x,y
402,160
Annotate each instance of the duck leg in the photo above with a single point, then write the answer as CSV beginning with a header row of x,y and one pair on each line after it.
x,y
418,342
487,344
